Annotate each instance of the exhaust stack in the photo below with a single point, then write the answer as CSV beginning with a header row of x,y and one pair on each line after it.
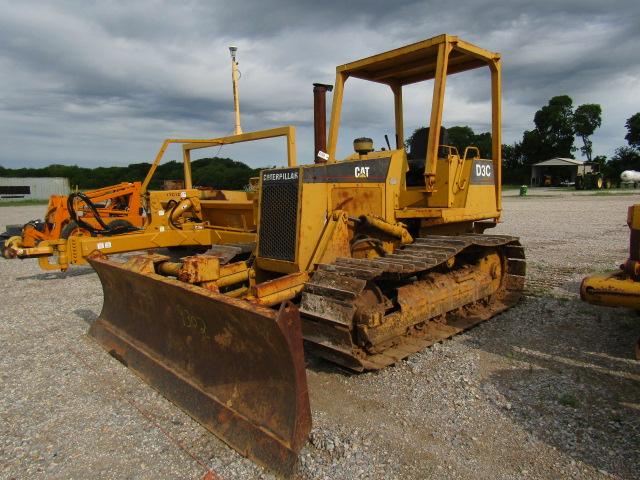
x,y
320,121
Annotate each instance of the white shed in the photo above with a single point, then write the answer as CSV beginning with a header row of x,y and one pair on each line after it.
x,y
32,188
557,170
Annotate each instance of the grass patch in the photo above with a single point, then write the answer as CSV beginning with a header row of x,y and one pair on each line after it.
x,y
568,400
19,203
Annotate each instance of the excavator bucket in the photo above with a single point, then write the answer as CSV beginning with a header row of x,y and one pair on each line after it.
x,y
235,367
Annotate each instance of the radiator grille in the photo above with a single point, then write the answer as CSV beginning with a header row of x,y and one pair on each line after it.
x,y
278,219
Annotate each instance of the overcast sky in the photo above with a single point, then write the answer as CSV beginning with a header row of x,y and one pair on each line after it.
x,y
103,83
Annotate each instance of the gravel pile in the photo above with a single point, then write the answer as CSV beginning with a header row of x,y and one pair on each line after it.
x,y
547,389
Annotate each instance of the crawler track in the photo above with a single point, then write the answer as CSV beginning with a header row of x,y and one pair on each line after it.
x,y
341,294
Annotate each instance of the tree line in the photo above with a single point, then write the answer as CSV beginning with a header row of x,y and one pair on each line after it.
x,y
556,126
223,173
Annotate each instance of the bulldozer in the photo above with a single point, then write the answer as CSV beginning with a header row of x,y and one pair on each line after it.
x,y
621,288
114,207
362,260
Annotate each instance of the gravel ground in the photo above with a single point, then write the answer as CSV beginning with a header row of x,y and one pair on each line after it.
x,y
546,390
569,191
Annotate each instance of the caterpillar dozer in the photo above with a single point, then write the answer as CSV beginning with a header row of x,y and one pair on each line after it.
x,y
621,288
116,205
366,260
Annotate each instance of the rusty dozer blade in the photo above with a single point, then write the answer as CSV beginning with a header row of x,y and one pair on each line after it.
x,y
235,367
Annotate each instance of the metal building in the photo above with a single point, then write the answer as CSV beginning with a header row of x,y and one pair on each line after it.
x,y
32,188
558,171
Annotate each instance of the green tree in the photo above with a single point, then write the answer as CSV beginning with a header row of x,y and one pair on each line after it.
x,y
553,136
554,132
514,168
416,144
600,160
586,119
633,130
484,143
625,158
460,137
532,148
463,137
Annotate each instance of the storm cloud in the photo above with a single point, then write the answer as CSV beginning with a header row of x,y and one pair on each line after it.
x,y
102,83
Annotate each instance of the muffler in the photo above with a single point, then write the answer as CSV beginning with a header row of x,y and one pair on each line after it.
x,y
320,121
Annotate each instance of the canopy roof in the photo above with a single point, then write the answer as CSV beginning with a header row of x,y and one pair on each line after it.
x,y
559,162
418,61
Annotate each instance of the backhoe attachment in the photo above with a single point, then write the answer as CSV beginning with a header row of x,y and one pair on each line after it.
x,y
236,367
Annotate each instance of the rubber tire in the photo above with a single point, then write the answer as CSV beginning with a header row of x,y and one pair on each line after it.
x,y
69,228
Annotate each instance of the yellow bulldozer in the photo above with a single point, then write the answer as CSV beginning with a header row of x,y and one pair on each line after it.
x,y
365,259
621,288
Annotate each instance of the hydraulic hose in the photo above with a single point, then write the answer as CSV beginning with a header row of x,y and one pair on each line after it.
x,y
105,230
172,212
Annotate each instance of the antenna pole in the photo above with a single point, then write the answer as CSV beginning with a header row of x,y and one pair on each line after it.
x,y
236,99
